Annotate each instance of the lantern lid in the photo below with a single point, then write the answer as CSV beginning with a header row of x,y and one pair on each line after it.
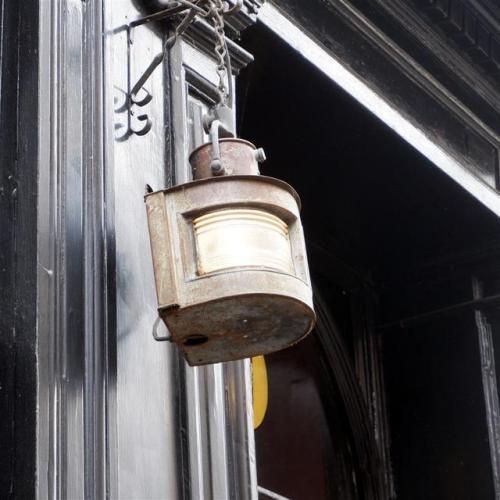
x,y
230,178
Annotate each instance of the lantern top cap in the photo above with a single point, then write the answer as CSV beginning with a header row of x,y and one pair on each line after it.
x,y
231,178
224,139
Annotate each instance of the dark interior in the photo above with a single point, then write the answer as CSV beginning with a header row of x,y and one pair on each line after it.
x,y
381,220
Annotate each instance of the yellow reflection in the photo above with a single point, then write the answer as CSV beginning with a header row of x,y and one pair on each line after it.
x,y
259,390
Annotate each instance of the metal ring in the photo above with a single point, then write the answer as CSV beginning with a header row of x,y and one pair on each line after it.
x,y
168,338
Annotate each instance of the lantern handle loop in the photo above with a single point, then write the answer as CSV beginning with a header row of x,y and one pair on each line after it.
x,y
167,338
218,123
216,165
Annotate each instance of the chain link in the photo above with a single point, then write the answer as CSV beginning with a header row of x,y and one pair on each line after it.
x,y
217,13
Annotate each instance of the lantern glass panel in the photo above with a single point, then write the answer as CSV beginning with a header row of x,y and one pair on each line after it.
x,y
242,237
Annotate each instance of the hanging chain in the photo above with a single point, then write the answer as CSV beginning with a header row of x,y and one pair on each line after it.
x,y
209,9
214,12
217,14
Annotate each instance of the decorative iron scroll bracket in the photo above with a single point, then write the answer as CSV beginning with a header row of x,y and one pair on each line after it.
x,y
138,96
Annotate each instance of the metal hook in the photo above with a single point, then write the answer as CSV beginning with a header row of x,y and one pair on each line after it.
x,y
141,102
168,338
159,58
193,8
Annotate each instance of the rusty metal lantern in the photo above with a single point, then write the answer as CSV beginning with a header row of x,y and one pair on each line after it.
x,y
228,248
229,258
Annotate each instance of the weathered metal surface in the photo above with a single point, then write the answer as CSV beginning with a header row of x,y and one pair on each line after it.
x,y
238,157
236,312
238,327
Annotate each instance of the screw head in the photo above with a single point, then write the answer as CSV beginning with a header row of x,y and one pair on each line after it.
x,y
260,155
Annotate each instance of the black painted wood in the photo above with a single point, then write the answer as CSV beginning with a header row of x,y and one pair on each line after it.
x,y
474,30
405,56
18,202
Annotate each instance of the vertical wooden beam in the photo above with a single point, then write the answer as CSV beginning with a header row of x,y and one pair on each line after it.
x,y
18,245
490,386
369,369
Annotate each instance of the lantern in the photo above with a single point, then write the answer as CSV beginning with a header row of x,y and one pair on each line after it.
x,y
228,250
229,258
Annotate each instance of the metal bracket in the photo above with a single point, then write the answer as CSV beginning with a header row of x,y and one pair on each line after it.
x,y
191,9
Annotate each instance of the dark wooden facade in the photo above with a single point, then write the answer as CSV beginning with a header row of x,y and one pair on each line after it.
x,y
405,256
18,246
404,242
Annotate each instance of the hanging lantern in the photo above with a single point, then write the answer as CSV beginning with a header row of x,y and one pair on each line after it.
x,y
229,258
228,248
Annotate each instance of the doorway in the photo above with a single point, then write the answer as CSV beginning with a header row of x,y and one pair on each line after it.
x,y
370,406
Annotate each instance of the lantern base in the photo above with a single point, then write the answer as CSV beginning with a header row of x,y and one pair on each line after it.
x,y
238,327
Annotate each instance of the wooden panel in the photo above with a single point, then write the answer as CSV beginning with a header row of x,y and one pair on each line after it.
x,y
18,246
425,79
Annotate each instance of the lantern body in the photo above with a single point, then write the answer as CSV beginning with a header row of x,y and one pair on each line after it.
x,y
230,267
